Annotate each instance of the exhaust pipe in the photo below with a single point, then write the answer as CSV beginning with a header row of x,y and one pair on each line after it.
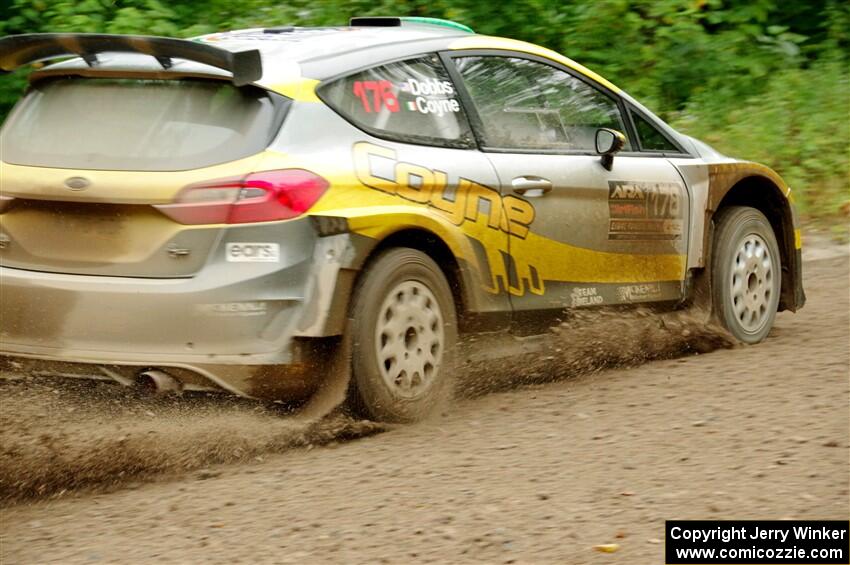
x,y
158,382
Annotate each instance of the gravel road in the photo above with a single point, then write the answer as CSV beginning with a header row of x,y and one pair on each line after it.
x,y
532,474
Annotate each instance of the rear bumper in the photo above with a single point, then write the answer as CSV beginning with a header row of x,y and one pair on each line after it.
x,y
236,324
292,381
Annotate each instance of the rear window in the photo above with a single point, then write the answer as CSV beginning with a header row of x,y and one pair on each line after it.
x,y
410,101
139,125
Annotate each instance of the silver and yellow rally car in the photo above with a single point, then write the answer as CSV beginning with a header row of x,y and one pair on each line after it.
x,y
221,212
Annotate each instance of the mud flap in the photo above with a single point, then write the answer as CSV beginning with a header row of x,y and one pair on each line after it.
x,y
698,292
799,293
332,393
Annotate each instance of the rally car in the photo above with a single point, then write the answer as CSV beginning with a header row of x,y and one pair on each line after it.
x,y
230,211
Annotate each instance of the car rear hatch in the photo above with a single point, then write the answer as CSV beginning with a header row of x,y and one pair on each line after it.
x,y
85,162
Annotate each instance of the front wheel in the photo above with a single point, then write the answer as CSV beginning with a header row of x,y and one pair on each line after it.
x,y
404,331
746,273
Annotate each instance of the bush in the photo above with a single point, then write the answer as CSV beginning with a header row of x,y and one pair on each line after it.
x,y
798,125
764,80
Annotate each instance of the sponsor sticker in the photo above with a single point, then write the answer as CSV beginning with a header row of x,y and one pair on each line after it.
x,y
459,201
639,292
645,210
252,252
585,296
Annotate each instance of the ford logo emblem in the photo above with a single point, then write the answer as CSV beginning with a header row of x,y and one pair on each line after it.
x,y
77,183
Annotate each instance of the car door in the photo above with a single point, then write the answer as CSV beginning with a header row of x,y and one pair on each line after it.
x,y
598,236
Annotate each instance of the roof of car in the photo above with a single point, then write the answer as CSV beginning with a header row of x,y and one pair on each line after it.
x,y
323,52
291,55
302,44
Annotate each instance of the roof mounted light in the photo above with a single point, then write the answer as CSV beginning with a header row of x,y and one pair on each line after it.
x,y
380,21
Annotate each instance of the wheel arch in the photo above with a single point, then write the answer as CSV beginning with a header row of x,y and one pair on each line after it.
x,y
429,243
765,191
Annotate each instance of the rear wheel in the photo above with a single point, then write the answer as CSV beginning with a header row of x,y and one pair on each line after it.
x,y
746,273
404,331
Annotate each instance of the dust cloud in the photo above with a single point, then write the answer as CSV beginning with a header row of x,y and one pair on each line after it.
x,y
589,341
60,435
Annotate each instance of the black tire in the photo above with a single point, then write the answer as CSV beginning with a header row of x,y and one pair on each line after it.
x,y
403,303
746,273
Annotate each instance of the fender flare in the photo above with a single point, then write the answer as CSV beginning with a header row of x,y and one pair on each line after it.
x,y
756,185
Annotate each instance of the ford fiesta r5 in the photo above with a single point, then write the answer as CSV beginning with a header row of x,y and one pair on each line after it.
x,y
227,212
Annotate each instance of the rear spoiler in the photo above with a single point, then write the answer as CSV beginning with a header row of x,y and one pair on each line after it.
x,y
18,50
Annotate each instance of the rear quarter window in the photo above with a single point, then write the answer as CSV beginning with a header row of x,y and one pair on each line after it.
x,y
410,101
139,125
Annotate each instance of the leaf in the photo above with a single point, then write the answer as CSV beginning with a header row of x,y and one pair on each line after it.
x,y
607,547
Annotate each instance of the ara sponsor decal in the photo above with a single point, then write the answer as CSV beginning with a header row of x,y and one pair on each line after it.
x,y
469,200
585,296
645,210
252,252
639,292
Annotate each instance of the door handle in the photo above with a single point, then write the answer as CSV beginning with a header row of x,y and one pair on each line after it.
x,y
531,186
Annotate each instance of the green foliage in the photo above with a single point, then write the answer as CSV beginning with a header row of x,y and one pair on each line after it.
x,y
761,79
150,17
798,124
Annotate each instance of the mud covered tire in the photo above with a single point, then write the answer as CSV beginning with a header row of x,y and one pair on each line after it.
x,y
746,273
404,330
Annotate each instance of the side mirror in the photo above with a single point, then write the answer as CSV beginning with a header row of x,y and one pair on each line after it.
x,y
608,143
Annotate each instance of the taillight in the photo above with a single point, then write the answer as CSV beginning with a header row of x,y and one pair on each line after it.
x,y
258,197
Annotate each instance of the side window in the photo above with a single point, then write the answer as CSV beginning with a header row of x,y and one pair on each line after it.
x,y
411,100
524,104
650,138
